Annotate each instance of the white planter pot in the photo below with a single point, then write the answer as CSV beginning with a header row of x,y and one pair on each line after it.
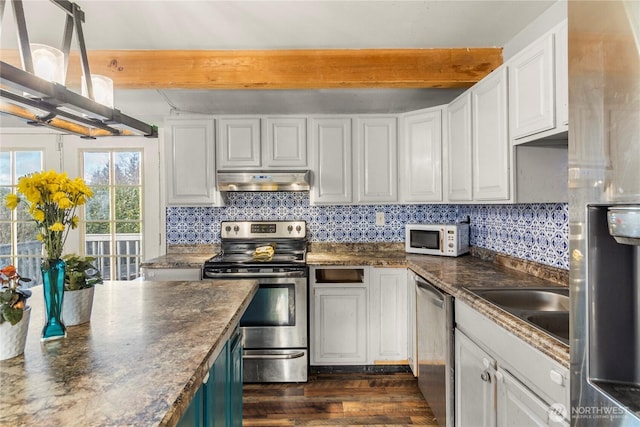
x,y
14,337
76,306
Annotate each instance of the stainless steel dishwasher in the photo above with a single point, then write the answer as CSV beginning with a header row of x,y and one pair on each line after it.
x,y
434,310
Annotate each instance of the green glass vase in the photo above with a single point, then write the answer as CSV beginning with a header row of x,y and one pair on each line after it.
x,y
53,286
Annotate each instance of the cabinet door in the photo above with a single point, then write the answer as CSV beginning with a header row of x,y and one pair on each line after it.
x,y
216,391
531,89
193,416
519,406
376,160
388,314
190,162
475,384
285,142
459,172
235,381
421,151
490,138
339,329
239,142
331,145
562,73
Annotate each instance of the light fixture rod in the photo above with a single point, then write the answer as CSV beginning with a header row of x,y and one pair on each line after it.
x,y
84,59
66,43
23,36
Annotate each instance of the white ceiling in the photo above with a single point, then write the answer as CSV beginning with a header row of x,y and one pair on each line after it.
x,y
301,24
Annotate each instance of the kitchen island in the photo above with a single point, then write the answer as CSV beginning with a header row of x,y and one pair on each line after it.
x,y
139,361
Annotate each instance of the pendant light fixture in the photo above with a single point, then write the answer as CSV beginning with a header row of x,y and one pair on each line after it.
x,y
37,92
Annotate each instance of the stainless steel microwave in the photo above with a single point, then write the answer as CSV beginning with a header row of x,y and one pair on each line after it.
x,y
437,239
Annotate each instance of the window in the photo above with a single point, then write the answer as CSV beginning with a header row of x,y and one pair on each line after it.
x,y
20,155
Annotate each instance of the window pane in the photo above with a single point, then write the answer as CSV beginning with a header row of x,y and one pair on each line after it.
x,y
4,261
5,168
97,208
28,162
5,238
96,168
127,166
128,203
98,228
22,211
5,213
128,227
29,267
27,233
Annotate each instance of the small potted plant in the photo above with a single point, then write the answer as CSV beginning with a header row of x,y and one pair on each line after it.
x,y
14,313
79,280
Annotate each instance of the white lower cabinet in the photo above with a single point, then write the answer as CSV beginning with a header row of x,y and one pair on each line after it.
x,y
502,381
338,314
358,315
388,315
474,384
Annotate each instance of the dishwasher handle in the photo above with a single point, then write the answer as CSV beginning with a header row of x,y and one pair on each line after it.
x,y
434,294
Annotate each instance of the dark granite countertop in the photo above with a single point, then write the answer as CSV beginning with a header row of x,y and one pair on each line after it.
x,y
452,275
139,361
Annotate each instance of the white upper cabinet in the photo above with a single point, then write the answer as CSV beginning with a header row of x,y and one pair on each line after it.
x,y
538,87
331,147
490,138
376,159
262,142
284,142
421,157
239,143
190,161
562,73
459,149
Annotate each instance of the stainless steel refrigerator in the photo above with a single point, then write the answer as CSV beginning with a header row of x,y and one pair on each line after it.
x,y
604,210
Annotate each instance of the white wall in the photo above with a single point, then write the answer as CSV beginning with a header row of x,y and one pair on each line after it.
x,y
548,19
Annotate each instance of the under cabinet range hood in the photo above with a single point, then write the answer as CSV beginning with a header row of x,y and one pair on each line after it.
x,y
263,180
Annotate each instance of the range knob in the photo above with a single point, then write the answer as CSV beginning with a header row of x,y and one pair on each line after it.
x,y
228,228
290,228
298,228
236,228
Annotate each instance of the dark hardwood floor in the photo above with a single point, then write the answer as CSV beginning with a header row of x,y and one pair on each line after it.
x,y
342,399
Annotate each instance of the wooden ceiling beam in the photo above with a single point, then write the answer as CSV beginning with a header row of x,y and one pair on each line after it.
x,y
290,69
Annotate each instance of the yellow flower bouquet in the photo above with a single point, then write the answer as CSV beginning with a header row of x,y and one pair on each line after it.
x,y
52,198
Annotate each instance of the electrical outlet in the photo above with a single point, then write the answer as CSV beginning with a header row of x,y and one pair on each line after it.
x,y
380,218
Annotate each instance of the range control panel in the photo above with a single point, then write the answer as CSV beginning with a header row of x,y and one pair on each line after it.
x,y
263,229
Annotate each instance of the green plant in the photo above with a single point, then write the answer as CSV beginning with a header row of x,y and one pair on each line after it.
x,y
13,299
80,272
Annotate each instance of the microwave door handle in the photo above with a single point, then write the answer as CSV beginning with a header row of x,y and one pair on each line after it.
x,y
442,241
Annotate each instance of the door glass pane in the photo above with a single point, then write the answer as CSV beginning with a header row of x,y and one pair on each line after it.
x,y
5,242
96,168
27,233
5,213
28,162
97,207
127,168
98,228
5,168
128,203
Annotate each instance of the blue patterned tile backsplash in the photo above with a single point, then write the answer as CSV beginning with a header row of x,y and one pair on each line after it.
x,y
535,232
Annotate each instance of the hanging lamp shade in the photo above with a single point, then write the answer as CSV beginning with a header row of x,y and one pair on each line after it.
x,y
102,89
48,62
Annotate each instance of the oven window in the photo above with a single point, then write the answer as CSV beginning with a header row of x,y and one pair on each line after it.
x,y
272,305
425,239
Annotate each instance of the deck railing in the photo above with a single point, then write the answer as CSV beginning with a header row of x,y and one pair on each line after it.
x,y
126,258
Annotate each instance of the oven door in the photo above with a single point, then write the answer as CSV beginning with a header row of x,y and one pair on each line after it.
x,y
277,315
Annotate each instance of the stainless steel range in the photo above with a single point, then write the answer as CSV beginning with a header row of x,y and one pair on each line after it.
x,y
275,323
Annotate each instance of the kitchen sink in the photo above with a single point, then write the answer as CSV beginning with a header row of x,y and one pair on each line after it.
x,y
555,323
544,308
527,298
